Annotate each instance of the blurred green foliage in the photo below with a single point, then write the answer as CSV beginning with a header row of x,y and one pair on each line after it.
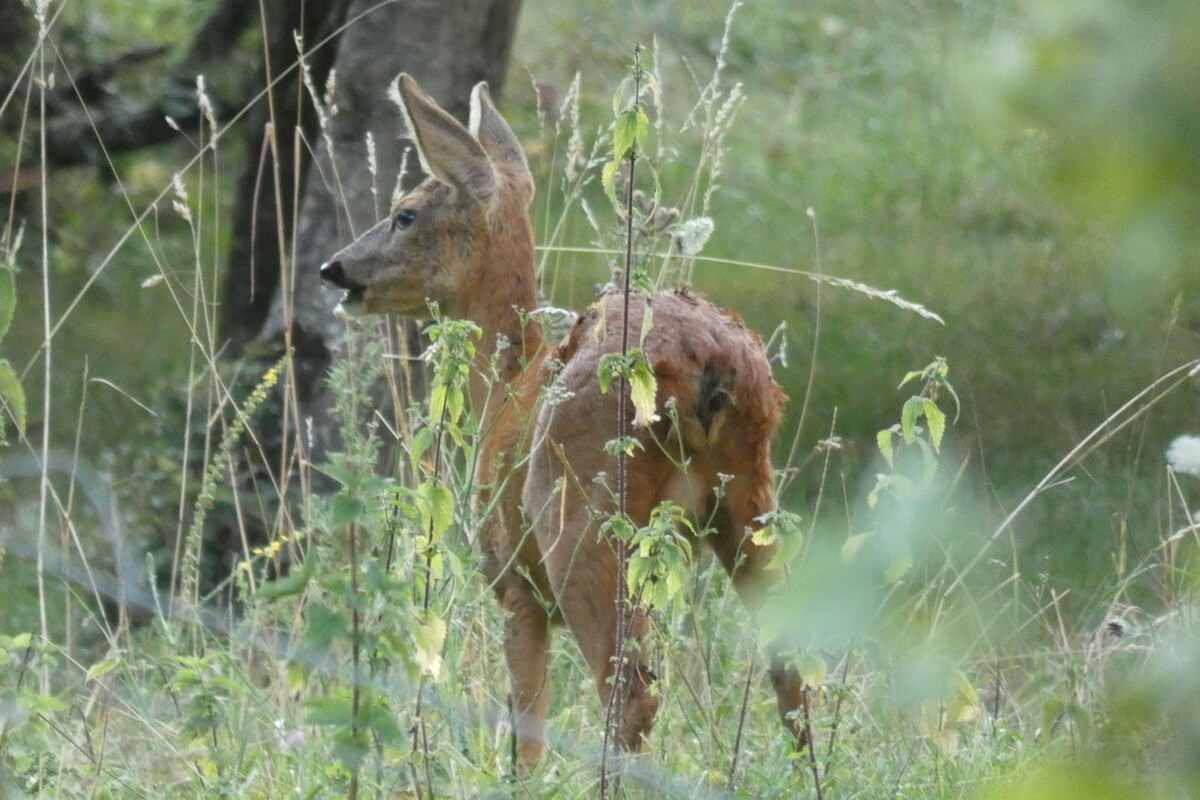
x,y
1112,86
1030,170
917,142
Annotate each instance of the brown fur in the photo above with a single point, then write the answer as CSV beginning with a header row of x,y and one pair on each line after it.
x,y
470,249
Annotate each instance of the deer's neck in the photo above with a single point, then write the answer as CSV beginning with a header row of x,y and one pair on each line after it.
x,y
510,347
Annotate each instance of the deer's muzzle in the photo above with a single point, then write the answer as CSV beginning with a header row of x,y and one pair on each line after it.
x,y
333,273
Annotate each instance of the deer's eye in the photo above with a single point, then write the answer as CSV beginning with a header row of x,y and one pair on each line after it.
x,y
404,217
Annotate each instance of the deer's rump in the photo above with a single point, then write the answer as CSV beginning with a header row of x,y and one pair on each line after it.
x,y
717,410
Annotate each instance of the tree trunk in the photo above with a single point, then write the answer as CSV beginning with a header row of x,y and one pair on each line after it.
x,y
294,209
448,46
265,209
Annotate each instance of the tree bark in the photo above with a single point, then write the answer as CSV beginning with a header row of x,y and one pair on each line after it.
x,y
17,31
448,46
264,210
113,124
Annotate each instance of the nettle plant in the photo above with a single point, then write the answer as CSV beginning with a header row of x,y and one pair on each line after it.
x,y
379,575
910,450
12,395
28,711
654,558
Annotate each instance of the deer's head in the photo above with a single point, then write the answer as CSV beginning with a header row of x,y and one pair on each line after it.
x,y
457,234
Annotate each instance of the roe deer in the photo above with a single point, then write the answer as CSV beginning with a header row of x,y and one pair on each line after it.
x,y
463,239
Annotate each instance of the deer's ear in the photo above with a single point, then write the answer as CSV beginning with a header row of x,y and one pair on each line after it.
x,y
498,139
447,150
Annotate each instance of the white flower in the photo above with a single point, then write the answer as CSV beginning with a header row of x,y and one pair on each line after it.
x,y
693,235
1184,455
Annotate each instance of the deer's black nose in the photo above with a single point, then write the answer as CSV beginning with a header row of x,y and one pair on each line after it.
x,y
332,272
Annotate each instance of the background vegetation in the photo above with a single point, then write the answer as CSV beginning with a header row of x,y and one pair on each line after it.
x,y
1027,170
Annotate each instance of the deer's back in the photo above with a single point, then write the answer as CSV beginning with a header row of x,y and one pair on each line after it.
x,y
717,404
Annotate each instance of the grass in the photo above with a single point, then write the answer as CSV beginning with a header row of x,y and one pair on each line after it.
x,y
1043,656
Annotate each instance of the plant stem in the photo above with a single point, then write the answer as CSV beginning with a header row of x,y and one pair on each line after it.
x,y
737,741
355,652
44,499
837,714
616,699
806,693
420,736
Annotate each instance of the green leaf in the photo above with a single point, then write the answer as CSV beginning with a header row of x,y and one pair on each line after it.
x,y
437,507
1080,717
651,83
642,390
812,668
937,423
608,177
294,582
607,369
335,710
899,567
883,482
321,629
351,748
104,666
8,299
630,132
437,402
297,677
381,720
12,395
945,384
914,407
930,461
764,536
908,376
429,637
422,440
445,403
619,94
884,440
339,472
47,704
1052,709
962,704
852,545
344,509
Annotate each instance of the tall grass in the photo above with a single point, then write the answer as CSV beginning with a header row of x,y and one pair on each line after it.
x,y
354,649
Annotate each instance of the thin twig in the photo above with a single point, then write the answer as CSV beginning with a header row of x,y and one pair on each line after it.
x,y
837,715
616,699
419,732
737,741
806,693
355,652
44,499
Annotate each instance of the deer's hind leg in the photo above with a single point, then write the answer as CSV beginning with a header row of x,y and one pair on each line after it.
x,y
582,567
526,640
746,563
